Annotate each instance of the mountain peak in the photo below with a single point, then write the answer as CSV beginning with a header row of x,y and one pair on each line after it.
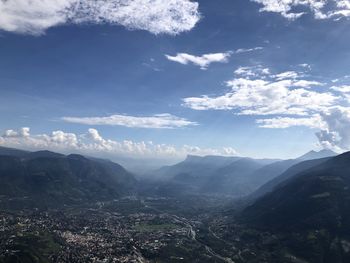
x,y
317,154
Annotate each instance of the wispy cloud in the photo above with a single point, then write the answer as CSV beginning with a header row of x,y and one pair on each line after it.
x,y
320,9
202,61
155,16
286,122
286,75
247,50
93,143
252,71
158,121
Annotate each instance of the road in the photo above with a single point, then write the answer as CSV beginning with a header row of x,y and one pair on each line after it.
x,y
192,233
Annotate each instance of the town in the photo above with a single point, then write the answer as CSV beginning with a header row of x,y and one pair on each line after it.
x,y
127,230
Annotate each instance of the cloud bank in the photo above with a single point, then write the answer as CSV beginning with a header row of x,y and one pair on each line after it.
x,y
336,135
283,100
159,121
333,124
156,16
92,143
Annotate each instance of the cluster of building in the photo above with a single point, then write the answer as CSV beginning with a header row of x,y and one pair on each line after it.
x,y
92,235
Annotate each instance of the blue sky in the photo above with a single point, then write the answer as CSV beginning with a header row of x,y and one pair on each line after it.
x,y
156,79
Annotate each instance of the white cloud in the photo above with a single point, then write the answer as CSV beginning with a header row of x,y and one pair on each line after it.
x,y
289,100
92,143
286,75
159,121
343,89
264,72
321,9
336,135
286,122
155,16
333,123
305,65
23,132
252,71
202,61
205,60
246,50
307,83
265,97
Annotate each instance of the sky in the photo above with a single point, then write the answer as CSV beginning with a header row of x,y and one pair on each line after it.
x,y
155,79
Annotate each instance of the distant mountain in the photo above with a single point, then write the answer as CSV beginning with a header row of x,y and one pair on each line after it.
x,y
44,154
213,175
218,175
317,155
194,166
277,172
235,179
277,177
27,154
46,178
13,152
270,171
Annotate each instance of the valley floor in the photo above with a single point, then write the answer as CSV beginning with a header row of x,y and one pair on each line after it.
x,y
126,230
153,229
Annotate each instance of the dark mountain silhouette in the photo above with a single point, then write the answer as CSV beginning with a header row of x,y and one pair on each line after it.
x,y
307,213
44,154
271,171
288,173
314,197
46,178
13,152
277,172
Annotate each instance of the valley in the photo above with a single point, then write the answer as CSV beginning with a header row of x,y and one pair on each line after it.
x,y
127,230
300,215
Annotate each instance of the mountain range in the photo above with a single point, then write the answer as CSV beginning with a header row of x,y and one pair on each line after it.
x,y
307,210
46,178
306,194
67,178
295,210
234,176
